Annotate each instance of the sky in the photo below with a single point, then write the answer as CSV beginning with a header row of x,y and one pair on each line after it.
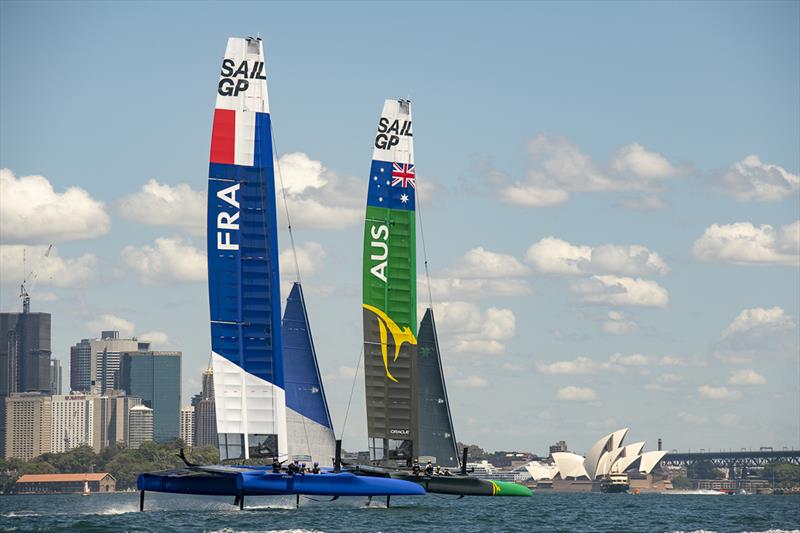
x,y
609,195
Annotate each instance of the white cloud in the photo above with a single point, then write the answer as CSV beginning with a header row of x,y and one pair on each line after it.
x,y
450,288
617,324
31,211
48,271
664,383
760,321
717,393
559,168
555,256
168,260
730,420
310,256
558,257
635,159
616,290
318,197
110,322
157,338
743,243
580,365
533,195
583,365
160,204
473,382
750,179
482,263
471,330
635,359
576,394
746,377
643,202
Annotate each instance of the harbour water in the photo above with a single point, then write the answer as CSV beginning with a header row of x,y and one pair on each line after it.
x,y
543,512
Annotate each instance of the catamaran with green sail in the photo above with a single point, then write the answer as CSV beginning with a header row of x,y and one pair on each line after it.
x,y
408,413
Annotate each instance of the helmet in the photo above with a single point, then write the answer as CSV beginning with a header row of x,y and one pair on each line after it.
x,y
303,464
316,464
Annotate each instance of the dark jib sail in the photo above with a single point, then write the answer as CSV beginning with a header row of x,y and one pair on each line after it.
x,y
436,438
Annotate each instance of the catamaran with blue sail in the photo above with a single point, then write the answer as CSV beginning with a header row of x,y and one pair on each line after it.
x,y
270,402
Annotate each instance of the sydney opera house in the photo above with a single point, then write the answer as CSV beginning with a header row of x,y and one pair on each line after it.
x,y
607,459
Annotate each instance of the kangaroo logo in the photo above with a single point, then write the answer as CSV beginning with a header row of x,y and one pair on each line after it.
x,y
399,336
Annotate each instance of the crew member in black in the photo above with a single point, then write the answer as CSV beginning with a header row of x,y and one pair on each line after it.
x,y
429,469
415,468
447,472
316,469
293,468
276,466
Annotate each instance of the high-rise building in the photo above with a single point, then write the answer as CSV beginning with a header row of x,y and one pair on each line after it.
x,y
80,366
76,421
96,363
140,426
55,377
28,425
24,358
117,409
155,377
187,425
24,352
558,447
205,416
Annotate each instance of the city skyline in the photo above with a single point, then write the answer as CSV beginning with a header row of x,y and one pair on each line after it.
x,y
613,234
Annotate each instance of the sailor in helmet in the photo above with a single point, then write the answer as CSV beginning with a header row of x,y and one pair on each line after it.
x,y
315,470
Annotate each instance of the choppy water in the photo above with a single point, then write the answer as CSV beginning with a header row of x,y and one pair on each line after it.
x,y
542,512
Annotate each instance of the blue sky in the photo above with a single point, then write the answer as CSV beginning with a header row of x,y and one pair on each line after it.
x,y
606,252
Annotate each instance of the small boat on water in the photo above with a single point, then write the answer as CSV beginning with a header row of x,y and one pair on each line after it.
x,y
694,492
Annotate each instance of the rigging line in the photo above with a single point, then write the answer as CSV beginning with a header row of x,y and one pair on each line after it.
x,y
277,165
352,388
424,249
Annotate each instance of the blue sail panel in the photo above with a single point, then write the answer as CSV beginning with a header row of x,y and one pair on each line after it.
x,y
304,391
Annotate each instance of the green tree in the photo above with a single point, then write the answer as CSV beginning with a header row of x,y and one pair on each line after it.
x,y
682,482
782,474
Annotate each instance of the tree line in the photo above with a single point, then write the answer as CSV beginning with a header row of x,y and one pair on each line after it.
x,y
123,463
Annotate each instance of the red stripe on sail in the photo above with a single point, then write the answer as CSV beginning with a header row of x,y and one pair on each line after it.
x,y
223,136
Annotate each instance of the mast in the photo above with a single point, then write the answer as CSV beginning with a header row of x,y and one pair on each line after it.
x,y
243,277
389,289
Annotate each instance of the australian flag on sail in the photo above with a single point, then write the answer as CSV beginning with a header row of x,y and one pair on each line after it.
x,y
392,185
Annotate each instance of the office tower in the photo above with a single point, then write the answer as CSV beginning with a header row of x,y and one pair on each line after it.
x,y
76,421
140,426
205,417
155,377
95,363
187,425
24,352
24,358
55,377
28,425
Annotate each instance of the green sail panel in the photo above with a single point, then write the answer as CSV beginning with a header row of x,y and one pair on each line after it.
x,y
389,286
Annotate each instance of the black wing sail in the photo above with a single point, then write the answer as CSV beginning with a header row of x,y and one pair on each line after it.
x,y
435,434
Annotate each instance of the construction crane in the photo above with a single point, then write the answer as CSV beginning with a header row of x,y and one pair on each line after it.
x,y
23,289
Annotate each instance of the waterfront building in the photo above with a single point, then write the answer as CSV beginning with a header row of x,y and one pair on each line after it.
x,y
140,426
116,409
65,483
55,377
607,457
205,418
187,425
155,377
28,425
